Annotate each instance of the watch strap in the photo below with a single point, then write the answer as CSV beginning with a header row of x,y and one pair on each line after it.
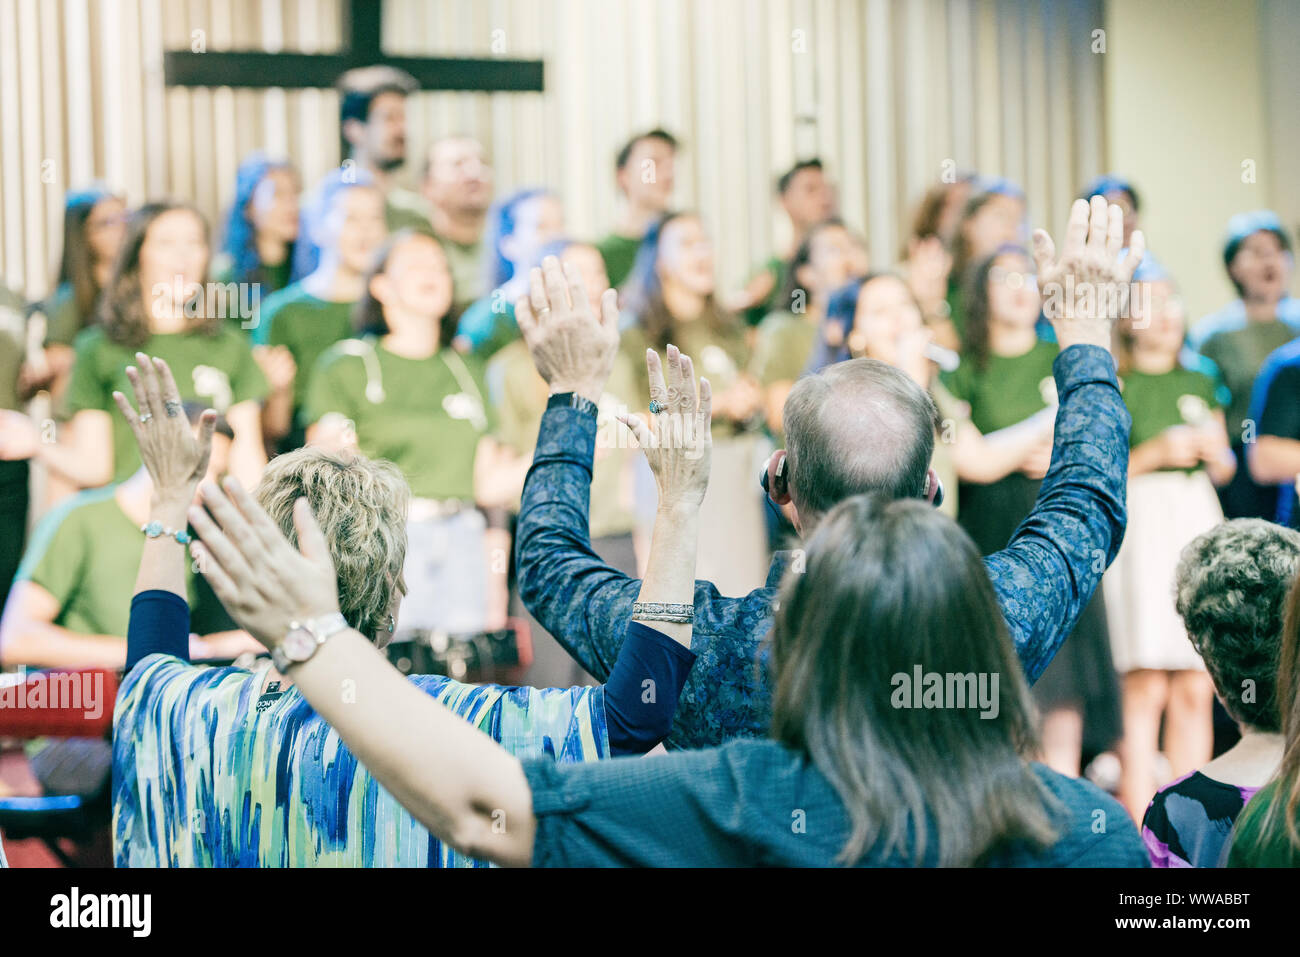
x,y
571,400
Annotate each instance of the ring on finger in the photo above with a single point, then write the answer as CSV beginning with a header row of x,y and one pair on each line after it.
x,y
145,417
656,407
173,408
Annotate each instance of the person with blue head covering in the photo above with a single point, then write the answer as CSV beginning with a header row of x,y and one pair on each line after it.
x,y
518,226
993,217
343,225
1240,337
261,225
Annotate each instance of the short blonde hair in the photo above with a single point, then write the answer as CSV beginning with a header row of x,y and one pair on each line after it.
x,y
360,505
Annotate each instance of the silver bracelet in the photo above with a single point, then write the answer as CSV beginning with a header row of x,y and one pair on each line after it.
x,y
663,611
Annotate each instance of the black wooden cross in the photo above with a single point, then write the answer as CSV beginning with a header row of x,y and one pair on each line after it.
x,y
363,20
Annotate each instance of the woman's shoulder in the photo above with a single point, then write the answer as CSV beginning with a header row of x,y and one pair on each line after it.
x,y
1094,829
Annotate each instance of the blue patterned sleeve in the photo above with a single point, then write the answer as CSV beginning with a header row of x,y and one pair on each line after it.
x,y
1056,558
578,598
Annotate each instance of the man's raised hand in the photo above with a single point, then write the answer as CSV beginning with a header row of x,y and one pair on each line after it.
x,y
1087,288
572,347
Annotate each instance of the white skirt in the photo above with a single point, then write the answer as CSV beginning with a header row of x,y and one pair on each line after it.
x,y
1166,510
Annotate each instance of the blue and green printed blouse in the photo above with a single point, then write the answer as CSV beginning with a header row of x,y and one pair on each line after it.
x,y
1042,579
208,771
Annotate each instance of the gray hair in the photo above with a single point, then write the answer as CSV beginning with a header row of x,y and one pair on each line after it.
x,y
854,427
1230,590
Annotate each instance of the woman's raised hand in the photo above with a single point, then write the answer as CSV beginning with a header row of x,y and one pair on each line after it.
x,y
176,458
679,442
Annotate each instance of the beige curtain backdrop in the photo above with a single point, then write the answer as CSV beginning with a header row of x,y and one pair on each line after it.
x,y
890,93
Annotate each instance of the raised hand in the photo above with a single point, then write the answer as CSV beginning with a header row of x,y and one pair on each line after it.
x,y
176,458
262,580
572,347
1086,289
679,444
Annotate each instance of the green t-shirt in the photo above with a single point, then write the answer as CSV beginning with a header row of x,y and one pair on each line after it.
x,y
785,344
12,329
429,421
776,268
218,370
466,264
1158,402
1246,850
523,401
307,326
619,253
86,553
62,320
1239,353
1009,389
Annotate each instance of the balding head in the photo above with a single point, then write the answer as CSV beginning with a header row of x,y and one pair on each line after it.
x,y
854,427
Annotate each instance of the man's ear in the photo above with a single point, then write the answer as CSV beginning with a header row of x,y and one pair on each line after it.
x,y
933,488
778,477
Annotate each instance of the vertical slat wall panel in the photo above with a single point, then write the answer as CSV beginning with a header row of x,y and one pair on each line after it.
x,y
885,91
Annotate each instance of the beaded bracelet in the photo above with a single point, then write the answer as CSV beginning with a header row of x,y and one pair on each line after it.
x,y
156,530
663,611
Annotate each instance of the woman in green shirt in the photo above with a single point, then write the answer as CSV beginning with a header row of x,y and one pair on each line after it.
x,y
157,302
402,393
1006,378
671,294
296,325
94,223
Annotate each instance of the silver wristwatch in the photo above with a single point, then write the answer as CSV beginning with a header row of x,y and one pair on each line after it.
x,y
304,638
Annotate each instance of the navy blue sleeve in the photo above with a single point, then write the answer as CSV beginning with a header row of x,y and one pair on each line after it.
x,y
642,691
159,625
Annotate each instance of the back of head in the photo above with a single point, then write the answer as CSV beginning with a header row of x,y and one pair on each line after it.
x,y
854,427
1232,583
893,591
360,505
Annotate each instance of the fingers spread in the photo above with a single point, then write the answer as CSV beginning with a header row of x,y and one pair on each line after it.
x,y
267,531
166,382
577,288
1098,215
655,372
149,378
221,551
609,309
311,540
128,413
1076,230
1137,248
640,431
1114,233
211,569
137,384
556,293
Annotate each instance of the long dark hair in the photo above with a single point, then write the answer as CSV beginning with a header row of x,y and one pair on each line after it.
x,y
368,314
122,307
802,256
975,305
643,293
77,266
985,190
240,240
946,783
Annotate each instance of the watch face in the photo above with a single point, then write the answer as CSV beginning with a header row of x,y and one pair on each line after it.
x,y
298,645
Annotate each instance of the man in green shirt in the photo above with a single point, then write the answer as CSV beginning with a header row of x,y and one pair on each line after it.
x,y
643,171
457,191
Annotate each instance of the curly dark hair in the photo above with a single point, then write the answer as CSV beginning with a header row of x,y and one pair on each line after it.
x,y
1230,590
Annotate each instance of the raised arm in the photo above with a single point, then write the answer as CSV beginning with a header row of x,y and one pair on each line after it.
x,y
1057,556
575,595
177,459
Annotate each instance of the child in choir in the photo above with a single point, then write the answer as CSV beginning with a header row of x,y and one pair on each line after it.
x,y
518,227
157,299
402,393
346,222
671,294
1179,454
993,217
1006,378
829,256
